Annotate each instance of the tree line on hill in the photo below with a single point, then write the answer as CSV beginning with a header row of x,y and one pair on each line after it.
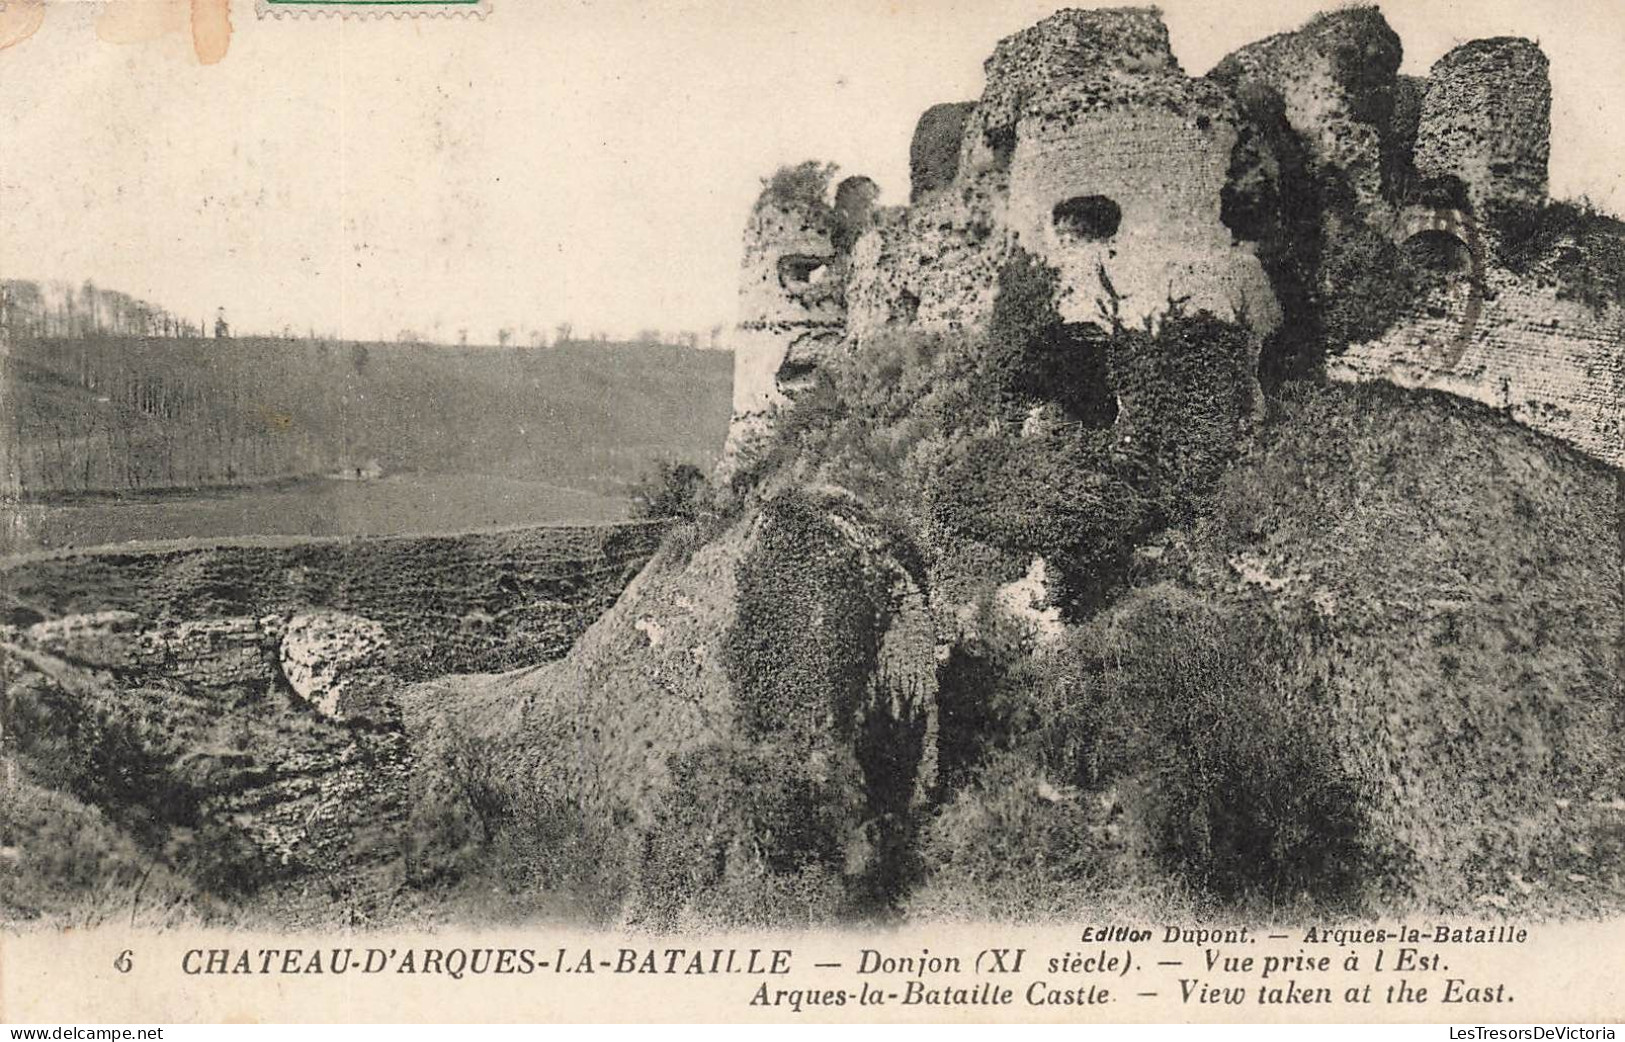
x,y
58,308
118,413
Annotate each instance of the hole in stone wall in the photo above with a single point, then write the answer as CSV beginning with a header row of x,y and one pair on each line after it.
x,y
798,271
1440,251
1444,192
1001,141
1087,218
905,309
794,373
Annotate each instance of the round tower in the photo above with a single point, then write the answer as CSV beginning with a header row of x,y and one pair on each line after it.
x,y
1486,119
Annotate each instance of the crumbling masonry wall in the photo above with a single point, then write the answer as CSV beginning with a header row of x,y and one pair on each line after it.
x,y
1336,79
1092,149
933,154
1089,147
1130,184
1509,340
790,308
1486,119
1555,365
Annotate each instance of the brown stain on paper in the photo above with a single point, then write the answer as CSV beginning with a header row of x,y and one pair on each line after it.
x,y
211,29
139,21
19,19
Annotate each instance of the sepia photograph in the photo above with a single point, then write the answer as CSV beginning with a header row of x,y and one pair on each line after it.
x,y
1137,490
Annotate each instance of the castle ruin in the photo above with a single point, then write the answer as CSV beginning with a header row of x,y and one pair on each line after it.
x,y
1091,149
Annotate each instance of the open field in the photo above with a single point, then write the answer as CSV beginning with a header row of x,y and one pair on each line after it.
x,y
393,505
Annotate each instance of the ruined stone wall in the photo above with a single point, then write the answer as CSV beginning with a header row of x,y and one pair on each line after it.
x,y
1409,93
1555,365
791,311
1145,172
933,266
1336,78
933,154
1092,46
1092,149
1486,119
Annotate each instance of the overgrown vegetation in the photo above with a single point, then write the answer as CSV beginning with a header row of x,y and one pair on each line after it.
x,y
1165,738
755,833
1581,248
800,186
803,818
808,636
1012,439
1241,793
671,491
499,848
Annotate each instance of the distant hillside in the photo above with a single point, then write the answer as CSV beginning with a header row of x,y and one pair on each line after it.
x,y
121,413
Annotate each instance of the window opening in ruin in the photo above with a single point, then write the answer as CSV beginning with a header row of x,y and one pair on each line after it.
x,y
1439,251
795,375
1087,218
905,309
798,271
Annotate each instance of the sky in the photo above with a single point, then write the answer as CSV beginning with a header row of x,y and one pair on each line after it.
x,y
559,160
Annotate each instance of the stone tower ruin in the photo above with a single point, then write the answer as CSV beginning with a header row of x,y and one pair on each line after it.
x,y
1486,120
1092,150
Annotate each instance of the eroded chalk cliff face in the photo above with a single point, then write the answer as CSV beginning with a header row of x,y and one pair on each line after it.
x,y
240,753
229,724
1092,150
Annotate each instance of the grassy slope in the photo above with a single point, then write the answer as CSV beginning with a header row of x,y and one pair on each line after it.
x,y
1381,673
392,505
1455,582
